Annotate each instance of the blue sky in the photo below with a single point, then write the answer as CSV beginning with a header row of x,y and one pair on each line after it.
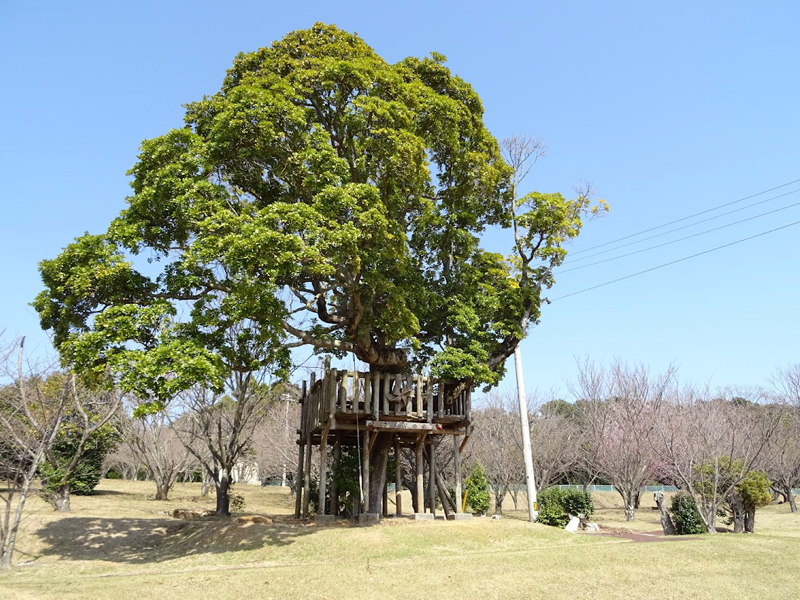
x,y
668,108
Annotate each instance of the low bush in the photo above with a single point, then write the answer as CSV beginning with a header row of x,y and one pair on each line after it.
x,y
685,515
555,505
478,491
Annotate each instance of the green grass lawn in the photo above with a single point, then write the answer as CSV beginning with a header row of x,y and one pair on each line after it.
x,y
121,544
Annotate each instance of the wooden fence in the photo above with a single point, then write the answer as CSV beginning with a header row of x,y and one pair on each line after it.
x,y
381,396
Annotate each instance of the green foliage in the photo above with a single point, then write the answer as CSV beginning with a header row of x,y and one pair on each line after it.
x,y
345,475
236,502
685,515
556,504
88,472
552,515
755,490
320,178
477,489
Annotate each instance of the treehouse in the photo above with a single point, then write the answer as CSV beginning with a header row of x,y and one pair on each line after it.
x,y
379,413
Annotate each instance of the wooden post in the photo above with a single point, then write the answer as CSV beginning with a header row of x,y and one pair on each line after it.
x,y
420,483
457,468
323,471
385,503
432,478
365,473
307,478
337,456
298,482
398,480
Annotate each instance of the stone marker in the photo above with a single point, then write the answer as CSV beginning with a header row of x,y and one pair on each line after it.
x,y
573,525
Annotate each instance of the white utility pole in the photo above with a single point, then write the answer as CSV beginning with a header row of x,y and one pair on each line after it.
x,y
526,438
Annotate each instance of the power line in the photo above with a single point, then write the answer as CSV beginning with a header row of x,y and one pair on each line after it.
x,y
688,237
703,212
594,287
682,227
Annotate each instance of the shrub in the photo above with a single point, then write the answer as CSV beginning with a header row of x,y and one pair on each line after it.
x,y
553,515
478,491
685,515
578,502
555,505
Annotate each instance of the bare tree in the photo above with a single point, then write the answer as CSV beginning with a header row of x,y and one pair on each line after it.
x,y
89,413
217,429
557,441
620,407
710,444
155,444
782,456
496,446
30,415
123,461
275,438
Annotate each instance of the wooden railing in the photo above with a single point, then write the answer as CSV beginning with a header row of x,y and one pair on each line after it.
x,y
381,396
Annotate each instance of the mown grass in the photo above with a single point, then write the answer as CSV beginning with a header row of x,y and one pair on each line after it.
x,y
120,543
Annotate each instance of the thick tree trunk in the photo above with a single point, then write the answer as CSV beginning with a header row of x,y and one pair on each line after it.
x,y
60,499
666,521
379,459
223,487
162,491
629,504
792,502
749,519
708,512
737,508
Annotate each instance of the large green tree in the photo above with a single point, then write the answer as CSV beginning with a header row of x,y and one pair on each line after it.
x,y
323,197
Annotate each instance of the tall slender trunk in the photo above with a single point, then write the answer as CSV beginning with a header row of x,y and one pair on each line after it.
x,y
628,501
60,498
206,485
499,496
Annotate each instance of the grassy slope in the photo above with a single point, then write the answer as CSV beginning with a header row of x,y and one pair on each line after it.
x,y
118,544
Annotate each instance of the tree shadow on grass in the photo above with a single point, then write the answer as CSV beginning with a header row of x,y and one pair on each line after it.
x,y
142,541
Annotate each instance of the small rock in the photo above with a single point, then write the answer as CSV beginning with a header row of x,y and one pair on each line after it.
x,y
592,527
496,517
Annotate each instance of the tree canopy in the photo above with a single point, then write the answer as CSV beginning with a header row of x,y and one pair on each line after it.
x,y
323,197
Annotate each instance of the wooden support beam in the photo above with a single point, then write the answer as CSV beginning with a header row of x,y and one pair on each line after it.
x,y
398,480
431,477
307,478
372,438
298,482
365,477
420,479
402,426
463,443
337,456
323,471
385,503
447,501
457,468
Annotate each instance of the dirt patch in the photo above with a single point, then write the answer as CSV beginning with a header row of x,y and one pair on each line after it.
x,y
641,536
